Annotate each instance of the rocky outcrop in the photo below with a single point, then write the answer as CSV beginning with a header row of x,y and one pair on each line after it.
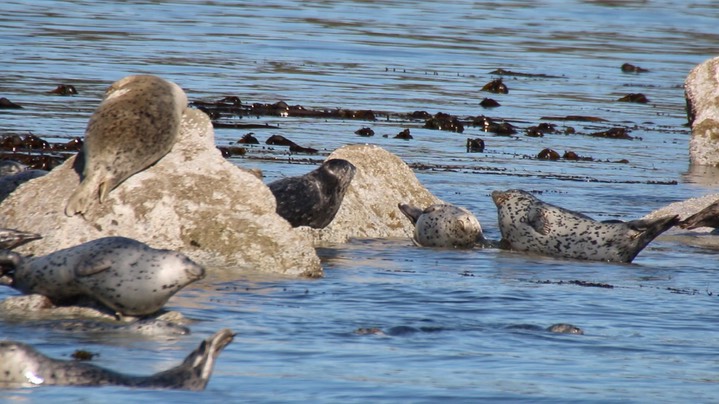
x,y
369,208
192,200
702,94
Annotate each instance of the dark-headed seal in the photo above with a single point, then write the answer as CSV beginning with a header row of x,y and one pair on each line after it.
x,y
528,224
313,199
135,125
707,217
444,225
123,274
23,366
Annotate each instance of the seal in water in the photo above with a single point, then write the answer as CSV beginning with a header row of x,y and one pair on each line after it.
x,y
23,366
11,238
135,125
707,217
313,199
444,225
123,274
530,225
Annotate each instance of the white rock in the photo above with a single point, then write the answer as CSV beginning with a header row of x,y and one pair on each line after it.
x,y
702,93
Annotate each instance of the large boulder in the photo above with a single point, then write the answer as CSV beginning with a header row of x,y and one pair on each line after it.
x,y
192,200
369,208
702,94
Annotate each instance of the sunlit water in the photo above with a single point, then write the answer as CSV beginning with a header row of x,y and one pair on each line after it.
x,y
458,324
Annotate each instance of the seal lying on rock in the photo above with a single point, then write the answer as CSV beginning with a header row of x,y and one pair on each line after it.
x,y
313,199
528,224
707,217
11,238
444,225
135,125
23,366
123,274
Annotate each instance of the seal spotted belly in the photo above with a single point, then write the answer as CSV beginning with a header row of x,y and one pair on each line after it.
x,y
136,124
23,366
123,274
531,225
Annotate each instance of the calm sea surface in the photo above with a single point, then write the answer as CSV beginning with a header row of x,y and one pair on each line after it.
x,y
459,325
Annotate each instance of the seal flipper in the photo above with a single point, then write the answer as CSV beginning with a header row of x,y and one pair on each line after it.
x,y
196,369
538,219
411,212
11,238
707,217
93,266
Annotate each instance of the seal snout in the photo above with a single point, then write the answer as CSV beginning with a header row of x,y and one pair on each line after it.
x,y
499,197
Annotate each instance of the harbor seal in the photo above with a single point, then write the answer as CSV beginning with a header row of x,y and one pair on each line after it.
x,y
23,366
444,225
313,199
123,274
135,125
707,217
530,225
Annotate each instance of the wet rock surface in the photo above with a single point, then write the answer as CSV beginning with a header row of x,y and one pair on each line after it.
x,y
702,94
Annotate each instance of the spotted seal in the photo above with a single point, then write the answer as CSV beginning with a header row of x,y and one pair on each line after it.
x,y
123,274
530,225
23,366
707,217
135,125
444,225
313,199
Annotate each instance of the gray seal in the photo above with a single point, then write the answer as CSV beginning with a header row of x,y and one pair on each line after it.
x,y
707,217
530,225
444,225
313,199
136,124
23,366
123,274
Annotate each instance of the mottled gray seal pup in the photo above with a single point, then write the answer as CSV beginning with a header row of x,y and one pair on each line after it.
x,y
23,366
530,225
313,199
123,274
444,225
11,238
135,125
707,217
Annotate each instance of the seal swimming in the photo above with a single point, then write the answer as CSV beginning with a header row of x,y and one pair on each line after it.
x,y
123,274
444,225
23,366
313,199
135,125
530,225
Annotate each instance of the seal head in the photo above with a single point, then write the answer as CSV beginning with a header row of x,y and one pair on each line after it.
x,y
531,225
313,199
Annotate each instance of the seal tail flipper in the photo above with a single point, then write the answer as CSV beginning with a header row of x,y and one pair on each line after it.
x,y
84,194
707,217
195,370
9,261
411,212
648,230
11,238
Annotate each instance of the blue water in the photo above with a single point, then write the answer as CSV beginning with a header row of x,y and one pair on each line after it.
x,y
455,322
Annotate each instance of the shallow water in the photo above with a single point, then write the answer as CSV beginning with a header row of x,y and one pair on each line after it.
x,y
457,323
